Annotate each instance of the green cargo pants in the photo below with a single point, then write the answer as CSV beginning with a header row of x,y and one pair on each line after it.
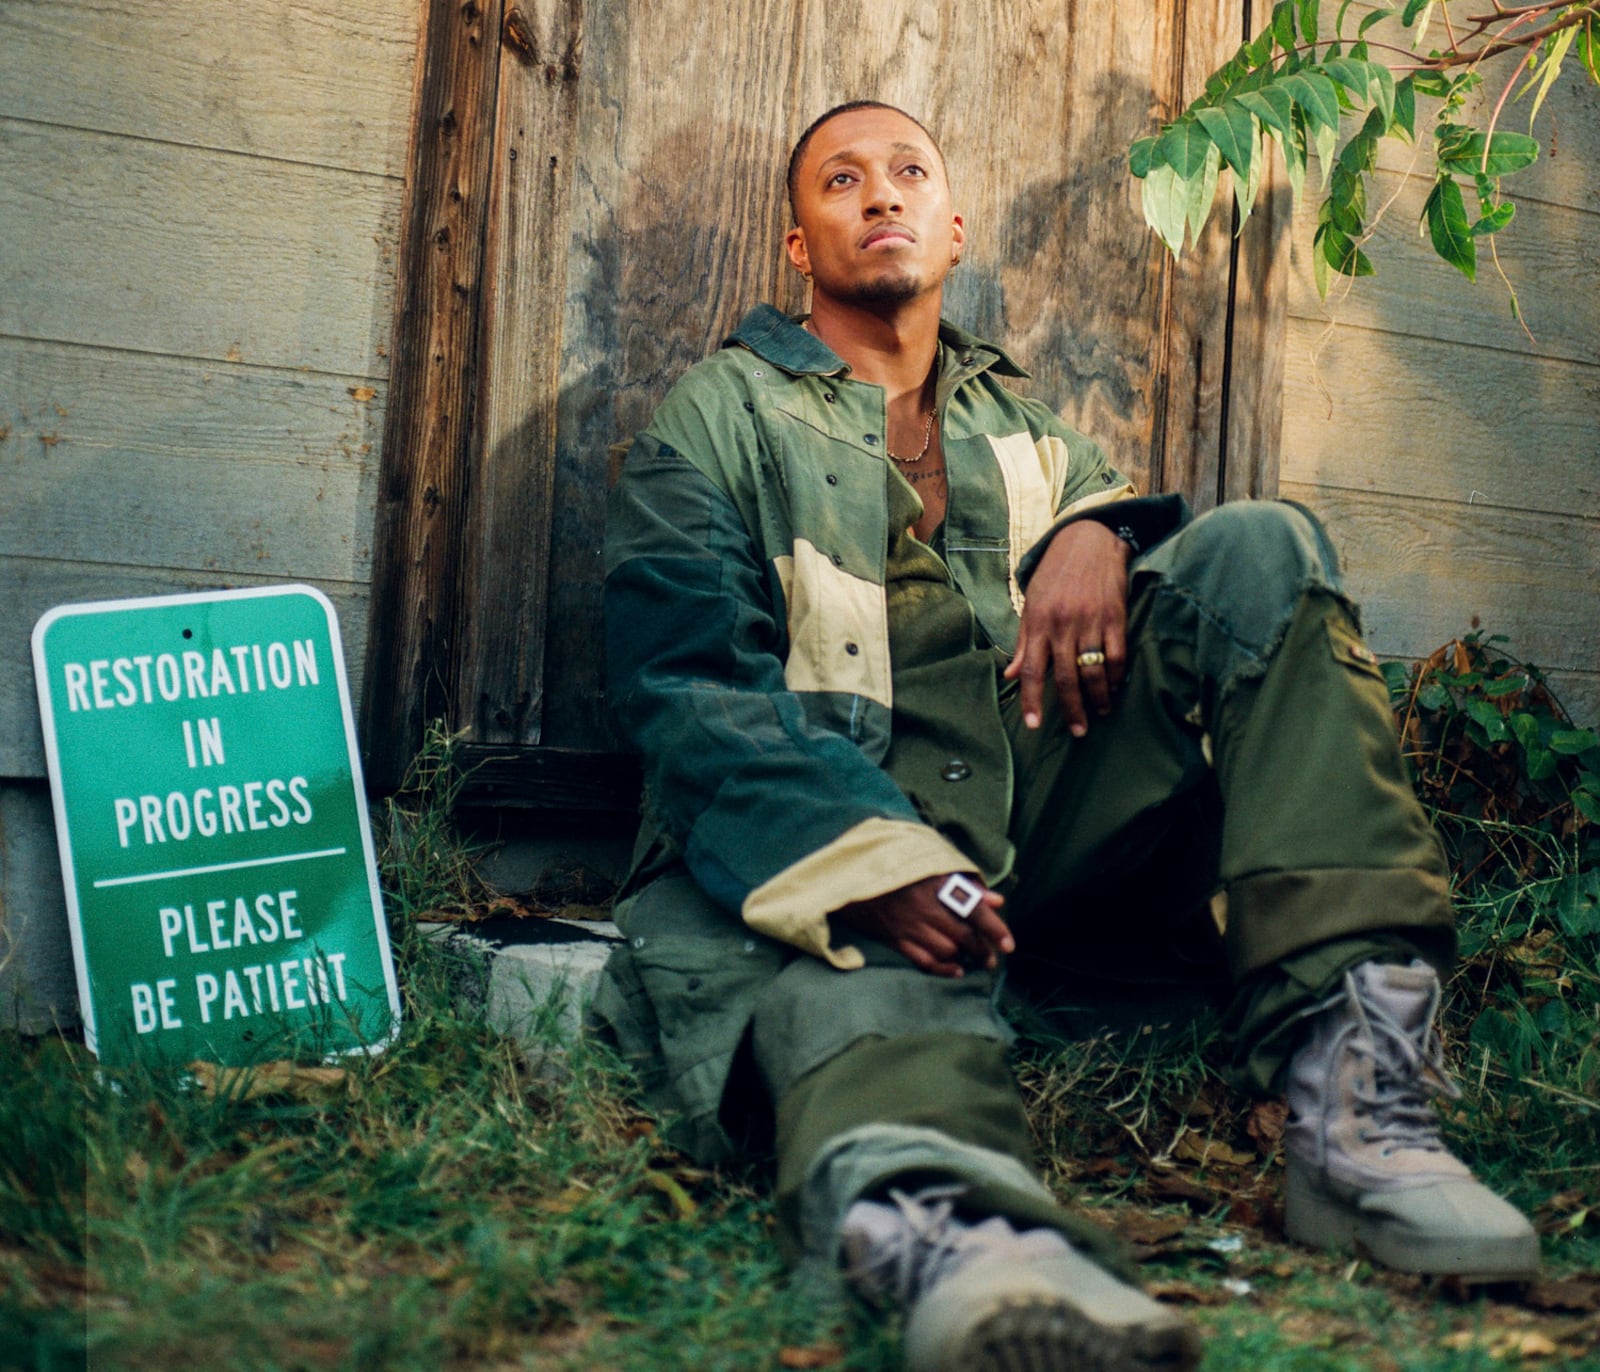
x,y
1251,752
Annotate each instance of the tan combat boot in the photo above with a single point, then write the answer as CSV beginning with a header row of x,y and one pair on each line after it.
x,y
985,1298
1367,1168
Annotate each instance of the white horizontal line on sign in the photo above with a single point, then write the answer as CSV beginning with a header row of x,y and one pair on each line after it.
x,y
219,867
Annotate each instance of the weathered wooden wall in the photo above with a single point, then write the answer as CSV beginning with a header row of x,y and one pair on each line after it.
x,y
633,208
198,213
1456,459
198,207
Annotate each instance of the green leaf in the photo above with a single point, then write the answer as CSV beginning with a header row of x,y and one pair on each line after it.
x,y
1489,719
1431,83
1202,192
1327,141
1164,196
1375,17
1272,106
1346,205
1308,19
1139,156
1542,764
1321,272
1446,217
1283,24
1360,154
1507,686
1294,156
1183,147
1578,903
1588,804
1234,132
1245,188
1315,94
1342,254
1413,9
1589,50
1355,77
1383,89
1338,22
1260,51
1471,152
1570,742
1433,697
1555,49
1405,108
1494,219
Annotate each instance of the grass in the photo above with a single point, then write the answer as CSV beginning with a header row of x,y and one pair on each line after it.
x,y
462,1203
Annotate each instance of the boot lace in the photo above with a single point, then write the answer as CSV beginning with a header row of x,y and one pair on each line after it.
x,y
1407,1072
927,1245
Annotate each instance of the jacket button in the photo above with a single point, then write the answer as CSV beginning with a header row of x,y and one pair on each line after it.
x,y
829,396
955,770
836,559
869,439
693,983
749,407
852,648
832,479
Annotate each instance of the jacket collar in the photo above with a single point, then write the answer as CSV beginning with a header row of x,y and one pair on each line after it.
x,y
772,336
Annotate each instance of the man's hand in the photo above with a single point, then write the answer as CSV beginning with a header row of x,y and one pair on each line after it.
x,y
912,921
1077,603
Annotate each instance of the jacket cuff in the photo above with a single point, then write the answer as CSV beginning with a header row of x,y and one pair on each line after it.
x,y
870,859
1140,521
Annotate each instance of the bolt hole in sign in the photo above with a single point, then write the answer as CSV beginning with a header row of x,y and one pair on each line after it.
x,y
221,885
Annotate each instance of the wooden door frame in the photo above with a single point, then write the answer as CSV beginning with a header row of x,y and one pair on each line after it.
x,y
477,226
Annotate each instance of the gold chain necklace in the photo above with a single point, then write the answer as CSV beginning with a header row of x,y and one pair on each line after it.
x,y
927,441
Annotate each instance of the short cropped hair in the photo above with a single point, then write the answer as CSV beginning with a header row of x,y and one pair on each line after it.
x,y
795,157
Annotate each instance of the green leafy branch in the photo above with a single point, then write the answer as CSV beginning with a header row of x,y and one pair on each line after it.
x,y
1304,92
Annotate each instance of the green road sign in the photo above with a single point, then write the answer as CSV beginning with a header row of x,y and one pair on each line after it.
x,y
218,861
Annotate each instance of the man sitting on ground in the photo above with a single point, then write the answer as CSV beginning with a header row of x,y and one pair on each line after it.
x,y
921,685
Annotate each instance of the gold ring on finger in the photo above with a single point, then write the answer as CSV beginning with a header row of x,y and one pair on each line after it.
x,y
1091,657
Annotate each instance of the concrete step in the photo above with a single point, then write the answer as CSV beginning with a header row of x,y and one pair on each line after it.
x,y
534,977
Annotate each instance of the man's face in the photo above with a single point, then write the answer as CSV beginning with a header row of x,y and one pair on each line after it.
x,y
872,209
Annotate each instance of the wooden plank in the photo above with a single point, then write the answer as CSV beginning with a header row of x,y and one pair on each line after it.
x,y
1449,422
421,494
118,242
286,79
1426,570
505,582
1061,267
676,221
1254,441
1195,363
550,779
1415,293
152,461
34,585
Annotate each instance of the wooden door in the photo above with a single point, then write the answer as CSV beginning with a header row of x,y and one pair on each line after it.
x,y
596,197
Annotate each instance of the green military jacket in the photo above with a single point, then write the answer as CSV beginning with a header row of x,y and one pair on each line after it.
x,y
747,645
747,637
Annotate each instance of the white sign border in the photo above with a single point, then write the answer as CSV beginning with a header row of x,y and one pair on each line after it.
x,y
69,878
